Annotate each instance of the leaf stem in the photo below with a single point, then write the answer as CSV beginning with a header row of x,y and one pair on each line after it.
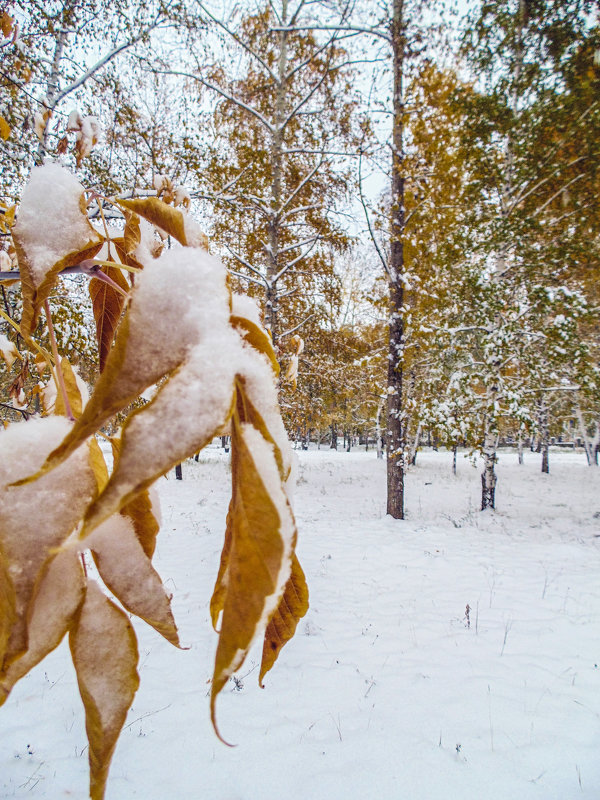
x,y
60,378
16,326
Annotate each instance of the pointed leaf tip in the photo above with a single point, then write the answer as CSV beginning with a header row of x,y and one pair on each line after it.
x,y
105,655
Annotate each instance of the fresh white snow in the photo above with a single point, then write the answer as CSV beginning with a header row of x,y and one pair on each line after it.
x,y
385,692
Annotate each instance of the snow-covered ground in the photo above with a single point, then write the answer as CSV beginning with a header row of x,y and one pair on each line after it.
x,y
386,691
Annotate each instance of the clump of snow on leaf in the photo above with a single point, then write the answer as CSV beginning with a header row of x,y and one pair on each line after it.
x,y
50,222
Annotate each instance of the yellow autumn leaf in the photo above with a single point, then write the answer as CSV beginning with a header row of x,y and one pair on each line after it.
x,y
128,573
105,656
72,389
172,221
143,511
57,595
98,464
132,235
4,128
282,626
66,237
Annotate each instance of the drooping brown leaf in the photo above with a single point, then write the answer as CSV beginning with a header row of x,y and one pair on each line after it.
x,y
66,237
107,304
16,390
282,626
172,221
57,595
262,541
35,519
130,576
105,655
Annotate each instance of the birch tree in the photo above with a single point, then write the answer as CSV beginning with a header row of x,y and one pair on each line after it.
x,y
521,52
272,173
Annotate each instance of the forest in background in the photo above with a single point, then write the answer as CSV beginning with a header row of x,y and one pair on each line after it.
x,y
409,192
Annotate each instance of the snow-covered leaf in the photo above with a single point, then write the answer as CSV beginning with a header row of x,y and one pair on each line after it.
x,y
52,232
36,518
257,337
56,597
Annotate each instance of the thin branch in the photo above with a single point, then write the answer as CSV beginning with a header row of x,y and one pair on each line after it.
x,y
246,278
363,203
60,378
296,327
99,64
302,184
556,194
18,410
239,41
219,90
247,265
379,34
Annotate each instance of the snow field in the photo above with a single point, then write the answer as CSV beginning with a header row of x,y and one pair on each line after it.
x,y
386,691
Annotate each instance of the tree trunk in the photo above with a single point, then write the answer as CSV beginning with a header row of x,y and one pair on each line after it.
x,y
587,443
178,473
544,435
395,422
454,450
334,435
415,446
378,436
488,476
274,223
